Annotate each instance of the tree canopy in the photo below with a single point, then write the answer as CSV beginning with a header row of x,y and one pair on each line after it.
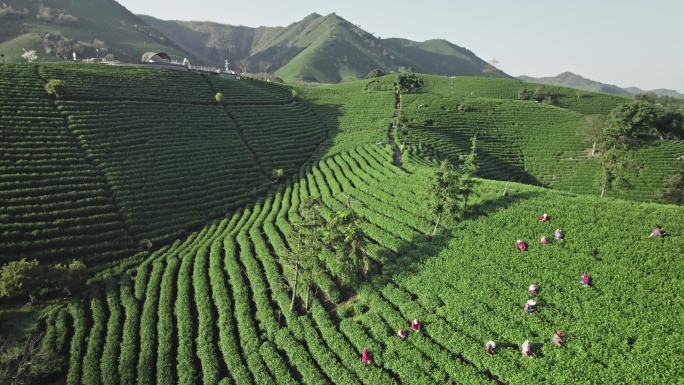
x,y
592,130
630,118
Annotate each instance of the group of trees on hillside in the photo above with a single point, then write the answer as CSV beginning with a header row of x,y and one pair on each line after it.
x,y
451,187
615,135
9,12
56,16
60,45
319,244
29,278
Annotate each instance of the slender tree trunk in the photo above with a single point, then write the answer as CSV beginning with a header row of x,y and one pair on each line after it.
x,y
306,302
603,192
593,149
439,217
465,206
294,287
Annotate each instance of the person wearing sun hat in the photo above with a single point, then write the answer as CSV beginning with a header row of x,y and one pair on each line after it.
x,y
489,347
532,289
531,306
521,245
527,349
558,338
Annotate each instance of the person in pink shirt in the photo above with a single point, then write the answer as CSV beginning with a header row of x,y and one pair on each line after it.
x,y
415,325
521,245
366,356
585,281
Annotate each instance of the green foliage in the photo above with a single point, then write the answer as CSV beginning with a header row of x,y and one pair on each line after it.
x,y
613,168
344,239
305,247
219,98
670,122
466,181
444,188
57,88
630,118
409,83
648,97
21,278
674,190
376,73
68,277
592,130
525,94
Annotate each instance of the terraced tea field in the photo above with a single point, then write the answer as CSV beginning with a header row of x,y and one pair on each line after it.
x,y
210,309
169,197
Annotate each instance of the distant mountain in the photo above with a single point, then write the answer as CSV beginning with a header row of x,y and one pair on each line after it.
x,y
568,79
325,49
664,92
91,28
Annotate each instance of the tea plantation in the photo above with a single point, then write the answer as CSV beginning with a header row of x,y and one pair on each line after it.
x,y
170,199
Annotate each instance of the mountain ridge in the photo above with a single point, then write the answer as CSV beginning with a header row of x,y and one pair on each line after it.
x,y
569,79
320,48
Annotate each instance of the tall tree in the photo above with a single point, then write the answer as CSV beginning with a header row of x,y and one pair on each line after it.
x,y
443,189
674,192
629,119
305,247
345,240
466,181
592,130
21,278
613,166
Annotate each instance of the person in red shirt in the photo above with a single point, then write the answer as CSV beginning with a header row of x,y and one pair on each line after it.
x,y
415,325
489,347
521,245
544,240
366,356
401,334
544,218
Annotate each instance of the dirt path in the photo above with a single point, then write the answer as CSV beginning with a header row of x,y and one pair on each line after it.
x,y
393,127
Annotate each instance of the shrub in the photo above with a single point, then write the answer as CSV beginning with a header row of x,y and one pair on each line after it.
x,y
57,88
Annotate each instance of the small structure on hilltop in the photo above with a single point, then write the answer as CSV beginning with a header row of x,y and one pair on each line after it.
x,y
148,57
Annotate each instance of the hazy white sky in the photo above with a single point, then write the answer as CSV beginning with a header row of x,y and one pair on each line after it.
x,y
623,42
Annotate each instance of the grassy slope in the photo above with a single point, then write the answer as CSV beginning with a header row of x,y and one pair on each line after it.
x,y
224,282
164,155
467,286
97,19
